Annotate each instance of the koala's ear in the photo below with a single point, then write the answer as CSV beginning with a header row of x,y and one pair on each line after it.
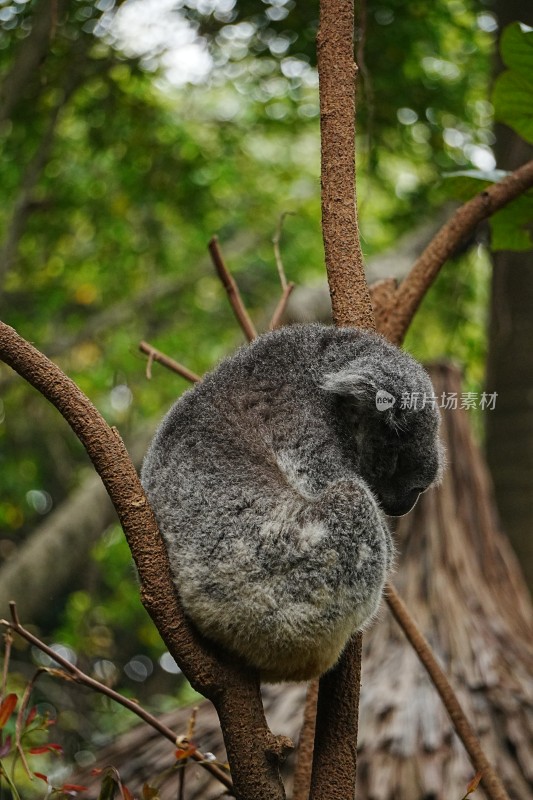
x,y
351,383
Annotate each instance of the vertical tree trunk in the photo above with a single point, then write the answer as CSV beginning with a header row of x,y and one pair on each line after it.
x,y
509,426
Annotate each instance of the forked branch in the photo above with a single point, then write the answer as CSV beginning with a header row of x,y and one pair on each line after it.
x,y
407,298
156,355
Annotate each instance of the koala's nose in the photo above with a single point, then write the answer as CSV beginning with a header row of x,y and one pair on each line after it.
x,y
403,504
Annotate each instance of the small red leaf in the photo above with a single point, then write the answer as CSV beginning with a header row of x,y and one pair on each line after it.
x,y
31,716
7,707
41,776
46,748
73,787
126,794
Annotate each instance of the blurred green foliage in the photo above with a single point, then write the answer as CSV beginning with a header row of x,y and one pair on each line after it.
x,y
114,179
513,91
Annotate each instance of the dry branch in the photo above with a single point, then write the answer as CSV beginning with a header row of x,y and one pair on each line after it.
x,y
490,780
232,290
77,675
281,306
411,291
156,355
277,252
233,689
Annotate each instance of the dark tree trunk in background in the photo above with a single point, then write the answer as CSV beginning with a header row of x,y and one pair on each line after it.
x,y
509,427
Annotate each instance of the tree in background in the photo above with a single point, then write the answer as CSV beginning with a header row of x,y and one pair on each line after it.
x,y
509,430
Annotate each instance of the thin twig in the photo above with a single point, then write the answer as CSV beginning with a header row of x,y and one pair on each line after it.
x,y
281,306
149,364
156,355
490,780
74,673
277,253
20,719
232,290
8,639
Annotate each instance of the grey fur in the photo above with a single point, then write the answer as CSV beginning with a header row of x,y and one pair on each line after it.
x,y
269,481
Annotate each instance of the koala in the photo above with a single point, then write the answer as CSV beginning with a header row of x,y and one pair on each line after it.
x,y
270,481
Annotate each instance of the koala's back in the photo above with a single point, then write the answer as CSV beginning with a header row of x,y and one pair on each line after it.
x,y
277,549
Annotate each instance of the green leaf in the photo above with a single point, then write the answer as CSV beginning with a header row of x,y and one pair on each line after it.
x,y
509,225
513,102
516,48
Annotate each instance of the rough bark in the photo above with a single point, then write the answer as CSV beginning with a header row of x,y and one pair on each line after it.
x,y
335,751
344,260
304,764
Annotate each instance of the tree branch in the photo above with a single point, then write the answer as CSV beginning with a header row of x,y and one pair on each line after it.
x,y
335,752
411,291
344,261
304,764
490,780
166,361
82,678
337,723
281,306
233,291
233,689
